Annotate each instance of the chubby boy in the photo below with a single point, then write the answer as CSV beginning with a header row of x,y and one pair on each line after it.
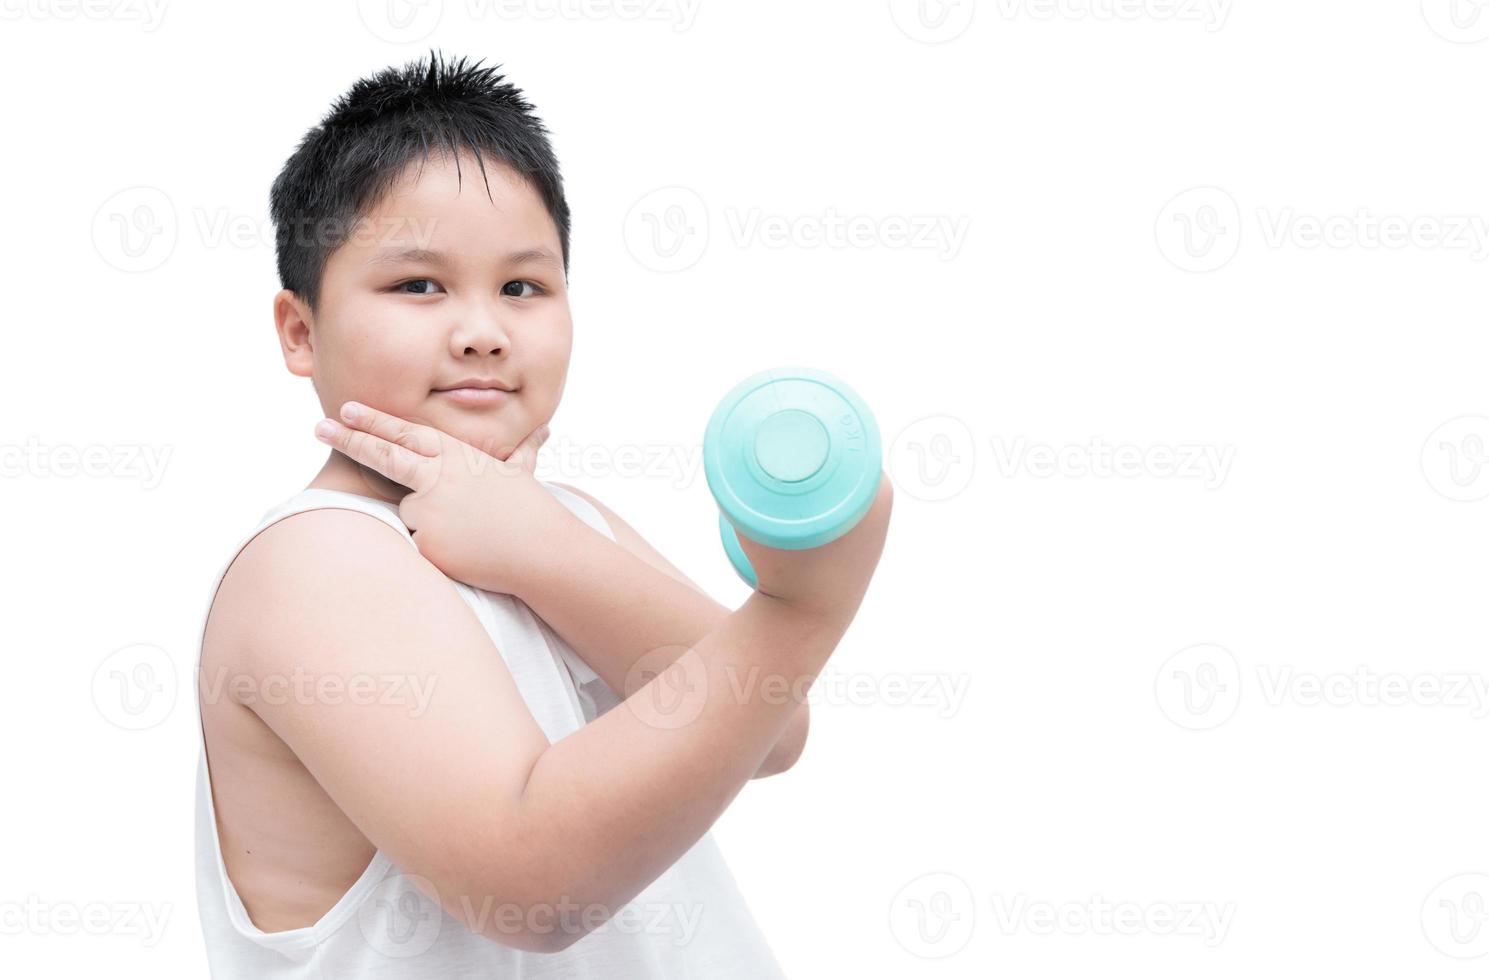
x,y
457,721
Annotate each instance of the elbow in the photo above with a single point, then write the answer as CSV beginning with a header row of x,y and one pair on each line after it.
x,y
553,925
533,914
543,942
789,747
542,926
524,941
512,879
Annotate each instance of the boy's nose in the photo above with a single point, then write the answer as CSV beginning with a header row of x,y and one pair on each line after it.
x,y
481,333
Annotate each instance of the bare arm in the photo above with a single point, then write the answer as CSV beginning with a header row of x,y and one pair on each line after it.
x,y
464,791
626,610
635,789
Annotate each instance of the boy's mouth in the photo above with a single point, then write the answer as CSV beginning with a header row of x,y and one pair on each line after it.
x,y
476,397
477,392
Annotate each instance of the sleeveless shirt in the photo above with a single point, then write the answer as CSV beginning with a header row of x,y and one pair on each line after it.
x,y
690,923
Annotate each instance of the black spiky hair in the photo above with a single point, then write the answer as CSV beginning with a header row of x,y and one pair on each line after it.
x,y
344,165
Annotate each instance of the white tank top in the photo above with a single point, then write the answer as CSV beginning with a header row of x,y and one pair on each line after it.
x,y
691,922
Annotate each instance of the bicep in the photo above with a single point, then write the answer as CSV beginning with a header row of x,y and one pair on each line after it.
x,y
395,698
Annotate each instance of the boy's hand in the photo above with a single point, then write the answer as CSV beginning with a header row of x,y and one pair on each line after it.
x,y
828,581
479,519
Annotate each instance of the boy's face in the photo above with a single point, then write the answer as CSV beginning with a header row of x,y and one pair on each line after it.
x,y
394,330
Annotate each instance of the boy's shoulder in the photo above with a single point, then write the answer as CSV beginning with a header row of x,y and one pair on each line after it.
x,y
290,561
304,545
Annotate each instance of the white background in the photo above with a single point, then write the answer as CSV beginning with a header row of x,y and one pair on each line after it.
x,y
1254,691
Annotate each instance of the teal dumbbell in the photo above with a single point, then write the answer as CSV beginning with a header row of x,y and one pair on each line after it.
x,y
792,456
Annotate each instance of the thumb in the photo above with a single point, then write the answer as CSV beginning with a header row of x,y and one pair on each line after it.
x,y
526,453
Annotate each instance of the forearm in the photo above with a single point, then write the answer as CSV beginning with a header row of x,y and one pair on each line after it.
x,y
627,618
620,800
613,607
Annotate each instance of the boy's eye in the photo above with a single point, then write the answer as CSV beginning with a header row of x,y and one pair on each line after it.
x,y
519,288
412,282
519,283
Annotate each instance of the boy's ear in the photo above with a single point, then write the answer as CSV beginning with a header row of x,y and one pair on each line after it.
x,y
292,322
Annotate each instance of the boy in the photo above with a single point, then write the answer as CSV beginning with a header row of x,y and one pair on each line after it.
x,y
432,741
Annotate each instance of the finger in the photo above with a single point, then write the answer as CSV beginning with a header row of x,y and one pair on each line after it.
x,y
413,470
526,453
421,439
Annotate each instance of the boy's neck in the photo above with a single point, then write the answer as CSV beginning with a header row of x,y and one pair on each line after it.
x,y
343,473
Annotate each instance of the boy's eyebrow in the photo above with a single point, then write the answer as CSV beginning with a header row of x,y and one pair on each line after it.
x,y
536,254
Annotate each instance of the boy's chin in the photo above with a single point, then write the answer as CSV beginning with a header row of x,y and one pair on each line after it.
x,y
487,430
493,438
